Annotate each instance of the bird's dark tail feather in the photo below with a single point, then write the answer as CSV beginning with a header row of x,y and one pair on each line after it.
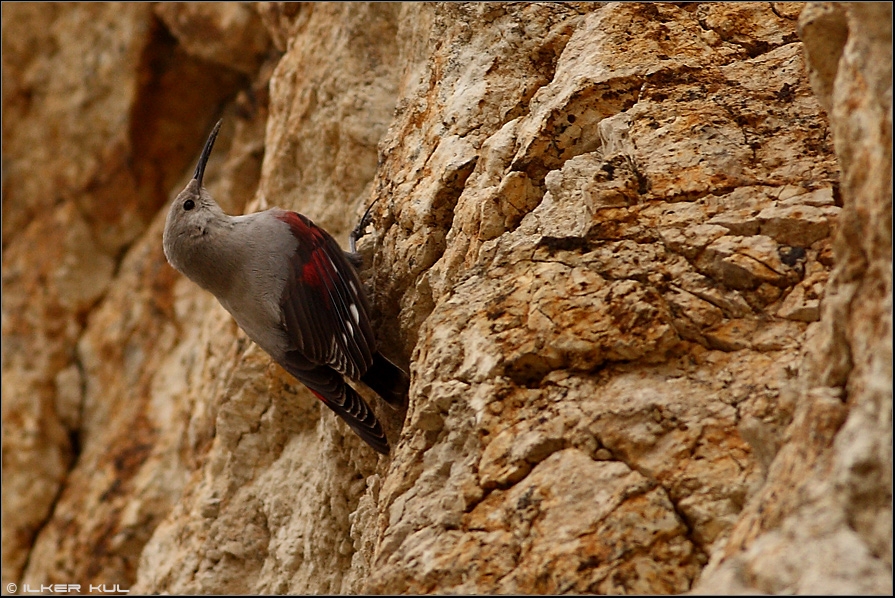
x,y
388,381
329,386
355,412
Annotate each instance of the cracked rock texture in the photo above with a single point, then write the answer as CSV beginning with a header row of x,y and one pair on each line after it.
x,y
636,257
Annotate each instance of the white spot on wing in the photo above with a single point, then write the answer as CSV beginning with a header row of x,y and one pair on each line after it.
x,y
354,312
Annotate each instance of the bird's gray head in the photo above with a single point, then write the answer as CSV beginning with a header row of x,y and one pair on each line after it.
x,y
193,216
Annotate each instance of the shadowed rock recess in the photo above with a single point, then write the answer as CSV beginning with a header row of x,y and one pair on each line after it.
x,y
636,257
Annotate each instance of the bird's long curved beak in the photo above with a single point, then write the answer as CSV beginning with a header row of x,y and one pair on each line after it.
x,y
206,152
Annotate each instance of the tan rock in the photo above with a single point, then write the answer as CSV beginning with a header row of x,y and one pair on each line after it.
x,y
231,34
602,246
797,226
95,109
840,439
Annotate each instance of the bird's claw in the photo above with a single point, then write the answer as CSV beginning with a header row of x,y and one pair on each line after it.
x,y
360,230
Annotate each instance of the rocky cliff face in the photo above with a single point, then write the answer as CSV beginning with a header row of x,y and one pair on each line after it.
x,y
637,258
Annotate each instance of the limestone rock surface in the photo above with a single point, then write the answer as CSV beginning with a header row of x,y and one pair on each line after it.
x,y
636,257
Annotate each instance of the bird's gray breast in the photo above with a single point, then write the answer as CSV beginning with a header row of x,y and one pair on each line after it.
x,y
264,245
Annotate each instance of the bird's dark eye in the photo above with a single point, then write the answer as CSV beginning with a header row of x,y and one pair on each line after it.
x,y
189,205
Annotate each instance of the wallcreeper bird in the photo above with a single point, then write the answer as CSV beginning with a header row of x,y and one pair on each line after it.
x,y
292,289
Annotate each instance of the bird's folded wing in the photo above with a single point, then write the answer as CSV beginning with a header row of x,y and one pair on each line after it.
x,y
325,313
